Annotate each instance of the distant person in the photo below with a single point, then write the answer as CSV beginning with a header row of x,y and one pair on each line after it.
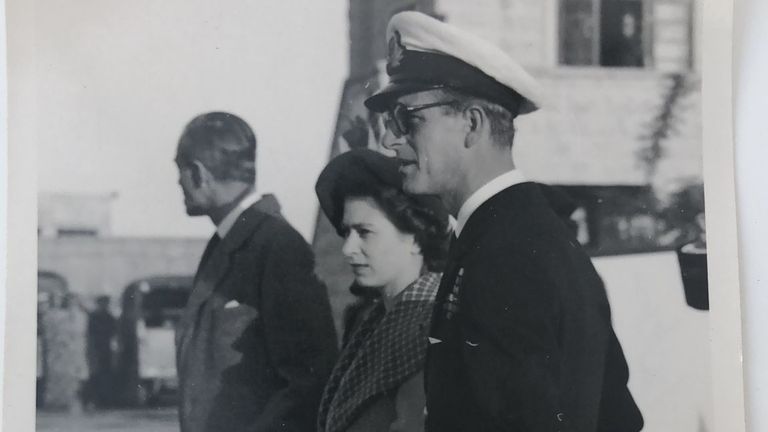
x,y
256,342
396,245
102,329
625,48
521,337
65,363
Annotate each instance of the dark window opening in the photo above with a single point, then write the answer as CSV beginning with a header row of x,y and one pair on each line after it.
x,y
612,220
621,42
163,306
602,32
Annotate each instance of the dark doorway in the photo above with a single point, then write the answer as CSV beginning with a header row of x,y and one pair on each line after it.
x,y
621,42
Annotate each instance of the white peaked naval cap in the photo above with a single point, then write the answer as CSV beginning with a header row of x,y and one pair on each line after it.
x,y
425,53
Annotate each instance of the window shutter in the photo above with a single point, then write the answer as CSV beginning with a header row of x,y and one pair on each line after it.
x,y
578,37
672,35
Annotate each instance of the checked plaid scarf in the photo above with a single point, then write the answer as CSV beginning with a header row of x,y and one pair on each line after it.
x,y
382,353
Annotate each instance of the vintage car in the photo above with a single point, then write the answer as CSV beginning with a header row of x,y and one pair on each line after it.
x,y
151,309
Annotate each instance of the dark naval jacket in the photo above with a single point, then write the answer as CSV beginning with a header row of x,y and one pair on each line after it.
x,y
521,336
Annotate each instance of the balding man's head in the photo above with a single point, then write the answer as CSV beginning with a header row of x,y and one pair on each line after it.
x,y
216,157
223,143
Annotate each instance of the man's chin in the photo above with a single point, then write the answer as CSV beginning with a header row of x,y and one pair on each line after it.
x,y
195,211
413,190
411,185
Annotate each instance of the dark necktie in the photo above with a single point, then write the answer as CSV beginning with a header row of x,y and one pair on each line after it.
x,y
212,243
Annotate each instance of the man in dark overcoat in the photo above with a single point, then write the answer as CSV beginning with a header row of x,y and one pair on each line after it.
x,y
101,332
521,337
256,343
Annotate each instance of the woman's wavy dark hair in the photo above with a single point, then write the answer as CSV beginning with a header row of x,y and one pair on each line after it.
x,y
413,215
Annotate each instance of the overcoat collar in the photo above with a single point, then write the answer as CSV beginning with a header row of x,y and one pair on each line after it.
x,y
218,264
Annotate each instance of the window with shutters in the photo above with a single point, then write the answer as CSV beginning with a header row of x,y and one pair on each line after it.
x,y
603,33
627,33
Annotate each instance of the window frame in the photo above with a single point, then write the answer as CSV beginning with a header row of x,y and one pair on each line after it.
x,y
646,30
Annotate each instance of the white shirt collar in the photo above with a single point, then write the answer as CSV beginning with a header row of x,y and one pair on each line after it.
x,y
485,193
229,220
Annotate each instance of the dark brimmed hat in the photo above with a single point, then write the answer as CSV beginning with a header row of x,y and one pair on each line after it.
x,y
364,170
425,53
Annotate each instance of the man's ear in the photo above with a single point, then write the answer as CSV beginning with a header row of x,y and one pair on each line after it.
x,y
200,174
477,122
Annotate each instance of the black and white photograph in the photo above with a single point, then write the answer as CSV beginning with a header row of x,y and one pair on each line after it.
x,y
371,215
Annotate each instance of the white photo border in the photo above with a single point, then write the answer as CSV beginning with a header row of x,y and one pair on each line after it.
x,y
18,401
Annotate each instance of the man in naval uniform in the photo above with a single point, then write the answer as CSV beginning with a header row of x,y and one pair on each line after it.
x,y
521,338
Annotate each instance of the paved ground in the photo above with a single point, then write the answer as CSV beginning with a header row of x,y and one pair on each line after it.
x,y
148,420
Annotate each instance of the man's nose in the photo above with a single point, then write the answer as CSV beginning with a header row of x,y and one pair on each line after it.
x,y
389,141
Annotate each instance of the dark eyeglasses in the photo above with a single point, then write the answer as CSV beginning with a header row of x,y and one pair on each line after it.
x,y
398,117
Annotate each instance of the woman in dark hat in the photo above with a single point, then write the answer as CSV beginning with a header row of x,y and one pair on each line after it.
x,y
396,244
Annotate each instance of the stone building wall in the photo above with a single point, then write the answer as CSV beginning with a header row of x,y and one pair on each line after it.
x,y
367,29
597,123
530,30
74,214
105,266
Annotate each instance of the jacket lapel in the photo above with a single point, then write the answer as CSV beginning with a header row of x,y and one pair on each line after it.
x,y
503,207
218,264
391,351
344,365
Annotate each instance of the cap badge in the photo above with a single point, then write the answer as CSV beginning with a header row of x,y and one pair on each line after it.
x,y
396,51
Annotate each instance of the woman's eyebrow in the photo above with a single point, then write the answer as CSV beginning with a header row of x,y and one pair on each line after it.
x,y
356,225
